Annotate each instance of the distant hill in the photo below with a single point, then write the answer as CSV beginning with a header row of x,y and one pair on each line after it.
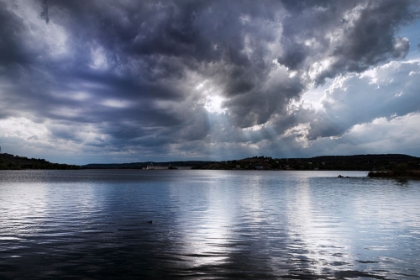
x,y
354,162
12,162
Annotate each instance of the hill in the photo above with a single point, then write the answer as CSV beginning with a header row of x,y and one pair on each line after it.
x,y
12,162
354,162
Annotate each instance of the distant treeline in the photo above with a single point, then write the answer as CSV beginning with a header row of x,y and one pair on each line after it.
x,y
356,162
388,163
12,162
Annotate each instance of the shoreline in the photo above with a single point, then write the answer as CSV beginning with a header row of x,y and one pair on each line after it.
x,y
396,174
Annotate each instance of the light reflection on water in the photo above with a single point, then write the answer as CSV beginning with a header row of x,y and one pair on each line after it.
x,y
207,225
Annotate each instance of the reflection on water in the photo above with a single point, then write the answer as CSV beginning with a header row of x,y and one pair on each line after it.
x,y
207,225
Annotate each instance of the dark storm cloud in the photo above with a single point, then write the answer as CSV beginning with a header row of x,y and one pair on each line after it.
x,y
11,49
44,13
133,68
352,35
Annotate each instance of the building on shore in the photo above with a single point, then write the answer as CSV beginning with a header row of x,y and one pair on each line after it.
x,y
156,167
161,167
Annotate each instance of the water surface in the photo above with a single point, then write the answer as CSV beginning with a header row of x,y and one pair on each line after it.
x,y
92,224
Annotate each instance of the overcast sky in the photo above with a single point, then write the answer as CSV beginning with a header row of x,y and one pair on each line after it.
x,y
125,81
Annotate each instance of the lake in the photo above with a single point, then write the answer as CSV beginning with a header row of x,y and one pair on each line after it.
x,y
93,224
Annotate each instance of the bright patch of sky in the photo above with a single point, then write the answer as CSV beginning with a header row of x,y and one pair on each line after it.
x,y
313,97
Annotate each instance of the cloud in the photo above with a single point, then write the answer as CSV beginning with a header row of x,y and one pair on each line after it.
x,y
397,134
44,13
386,91
131,71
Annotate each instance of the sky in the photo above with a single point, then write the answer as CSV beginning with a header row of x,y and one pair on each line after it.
x,y
125,81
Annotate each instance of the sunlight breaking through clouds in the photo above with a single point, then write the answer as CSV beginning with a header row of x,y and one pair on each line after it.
x,y
214,104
